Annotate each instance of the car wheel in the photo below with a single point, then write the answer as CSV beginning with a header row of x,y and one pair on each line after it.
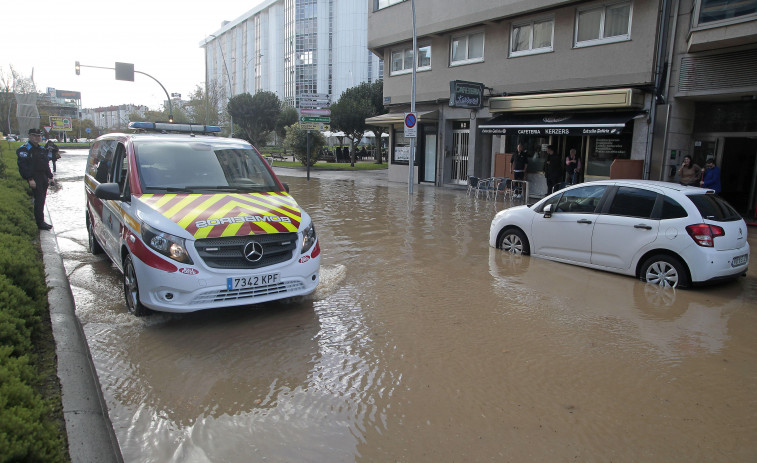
x,y
514,241
664,270
93,245
131,289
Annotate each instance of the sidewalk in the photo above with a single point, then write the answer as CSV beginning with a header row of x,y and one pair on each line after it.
x,y
90,433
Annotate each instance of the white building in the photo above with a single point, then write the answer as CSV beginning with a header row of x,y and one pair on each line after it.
x,y
307,52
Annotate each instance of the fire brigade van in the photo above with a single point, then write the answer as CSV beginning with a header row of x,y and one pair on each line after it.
x,y
196,221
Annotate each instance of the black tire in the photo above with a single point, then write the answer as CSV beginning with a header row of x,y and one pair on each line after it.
x,y
93,245
513,241
131,289
664,270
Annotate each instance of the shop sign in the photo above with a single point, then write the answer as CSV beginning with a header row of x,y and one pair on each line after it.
x,y
464,94
543,131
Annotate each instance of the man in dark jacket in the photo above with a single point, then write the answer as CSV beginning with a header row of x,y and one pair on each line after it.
x,y
34,167
552,168
520,164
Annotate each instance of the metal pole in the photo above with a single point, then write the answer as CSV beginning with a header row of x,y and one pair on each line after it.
x,y
307,160
412,105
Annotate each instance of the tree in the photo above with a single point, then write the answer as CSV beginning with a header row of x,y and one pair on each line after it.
x,y
203,104
297,140
287,117
255,115
354,106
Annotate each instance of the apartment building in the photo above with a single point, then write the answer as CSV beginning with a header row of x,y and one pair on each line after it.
x,y
709,100
307,52
495,73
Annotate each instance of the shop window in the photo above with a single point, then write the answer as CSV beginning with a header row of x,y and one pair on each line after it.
x,y
467,48
531,37
604,24
604,150
709,11
402,59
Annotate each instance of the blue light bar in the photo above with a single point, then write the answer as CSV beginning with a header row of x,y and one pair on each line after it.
x,y
170,127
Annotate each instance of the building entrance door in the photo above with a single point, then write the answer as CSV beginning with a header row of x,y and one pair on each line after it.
x,y
459,172
738,174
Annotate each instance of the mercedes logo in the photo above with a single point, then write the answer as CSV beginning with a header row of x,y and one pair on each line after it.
x,y
253,251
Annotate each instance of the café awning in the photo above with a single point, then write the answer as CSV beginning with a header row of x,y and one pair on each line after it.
x,y
603,123
399,118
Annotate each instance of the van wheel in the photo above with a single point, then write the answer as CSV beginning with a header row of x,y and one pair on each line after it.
x,y
93,245
664,270
514,241
131,289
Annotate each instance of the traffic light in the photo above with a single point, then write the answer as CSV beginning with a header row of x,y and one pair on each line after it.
x,y
78,69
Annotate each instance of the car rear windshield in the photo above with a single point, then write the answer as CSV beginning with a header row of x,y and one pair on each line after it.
x,y
201,167
715,208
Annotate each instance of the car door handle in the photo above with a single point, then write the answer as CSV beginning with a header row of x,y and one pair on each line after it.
x,y
584,221
641,225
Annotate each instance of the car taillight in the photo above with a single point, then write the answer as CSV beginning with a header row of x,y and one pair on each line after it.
x,y
703,234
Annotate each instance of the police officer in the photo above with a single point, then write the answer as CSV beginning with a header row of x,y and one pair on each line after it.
x,y
34,167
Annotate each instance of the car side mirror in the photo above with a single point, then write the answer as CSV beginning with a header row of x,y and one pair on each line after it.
x,y
110,191
547,211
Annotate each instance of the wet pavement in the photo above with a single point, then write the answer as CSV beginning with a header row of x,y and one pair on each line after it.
x,y
421,344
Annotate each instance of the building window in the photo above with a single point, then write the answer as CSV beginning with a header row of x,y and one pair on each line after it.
x,y
385,3
531,37
468,48
402,60
723,10
604,24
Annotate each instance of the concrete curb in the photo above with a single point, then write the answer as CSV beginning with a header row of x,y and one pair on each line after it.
x,y
90,433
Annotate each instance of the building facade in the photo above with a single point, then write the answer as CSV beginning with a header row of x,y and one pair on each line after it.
x,y
709,104
307,52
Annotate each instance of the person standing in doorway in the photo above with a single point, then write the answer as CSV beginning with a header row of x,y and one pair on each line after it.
x,y
34,167
711,177
552,169
519,162
572,167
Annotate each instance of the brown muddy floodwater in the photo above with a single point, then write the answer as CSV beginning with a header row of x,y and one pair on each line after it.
x,y
422,344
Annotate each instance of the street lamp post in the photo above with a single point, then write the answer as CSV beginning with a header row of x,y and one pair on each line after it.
x,y
231,91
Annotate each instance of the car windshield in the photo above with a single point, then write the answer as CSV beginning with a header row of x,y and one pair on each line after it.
x,y
201,167
713,207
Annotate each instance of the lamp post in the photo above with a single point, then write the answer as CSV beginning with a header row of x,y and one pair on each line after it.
x,y
231,91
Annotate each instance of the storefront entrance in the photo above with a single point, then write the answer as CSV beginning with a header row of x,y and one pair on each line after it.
x,y
459,172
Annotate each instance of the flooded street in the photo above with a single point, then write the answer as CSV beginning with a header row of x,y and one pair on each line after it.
x,y
422,344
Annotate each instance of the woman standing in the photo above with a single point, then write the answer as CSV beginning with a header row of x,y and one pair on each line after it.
x,y
690,173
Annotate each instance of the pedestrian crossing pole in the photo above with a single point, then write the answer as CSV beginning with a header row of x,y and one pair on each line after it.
x,y
411,162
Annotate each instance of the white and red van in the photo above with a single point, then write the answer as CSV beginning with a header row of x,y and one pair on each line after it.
x,y
195,221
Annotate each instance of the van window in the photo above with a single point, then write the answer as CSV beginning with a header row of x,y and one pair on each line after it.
x,y
101,159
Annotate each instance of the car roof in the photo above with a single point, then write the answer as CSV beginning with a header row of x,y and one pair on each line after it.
x,y
665,186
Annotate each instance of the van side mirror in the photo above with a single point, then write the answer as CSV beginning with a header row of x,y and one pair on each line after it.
x,y
110,191
286,186
547,211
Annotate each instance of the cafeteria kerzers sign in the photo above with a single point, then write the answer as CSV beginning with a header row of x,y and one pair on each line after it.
x,y
542,125
464,94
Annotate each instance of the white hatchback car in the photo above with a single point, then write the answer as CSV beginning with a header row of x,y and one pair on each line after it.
x,y
660,232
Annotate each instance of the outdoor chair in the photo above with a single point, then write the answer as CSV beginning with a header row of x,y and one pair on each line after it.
x,y
472,183
504,188
486,185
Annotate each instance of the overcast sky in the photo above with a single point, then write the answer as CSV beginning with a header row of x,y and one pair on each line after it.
x,y
160,37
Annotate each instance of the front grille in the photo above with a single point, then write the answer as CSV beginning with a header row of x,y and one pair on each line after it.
x,y
227,252
248,293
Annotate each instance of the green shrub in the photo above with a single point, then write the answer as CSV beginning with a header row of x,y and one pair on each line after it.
x,y
27,273
18,318
26,434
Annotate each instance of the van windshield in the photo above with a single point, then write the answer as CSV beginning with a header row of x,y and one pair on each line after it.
x,y
201,167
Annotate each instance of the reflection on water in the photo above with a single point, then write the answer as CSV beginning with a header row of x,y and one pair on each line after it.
x,y
423,344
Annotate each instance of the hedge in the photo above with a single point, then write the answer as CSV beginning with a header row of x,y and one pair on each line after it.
x,y
31,418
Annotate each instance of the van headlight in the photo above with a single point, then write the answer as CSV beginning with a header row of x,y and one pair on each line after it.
x,y
164,243
308,238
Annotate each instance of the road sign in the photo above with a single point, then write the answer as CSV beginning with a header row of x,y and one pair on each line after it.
x,y
411,125
315,112
314,126
325,119
47,128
